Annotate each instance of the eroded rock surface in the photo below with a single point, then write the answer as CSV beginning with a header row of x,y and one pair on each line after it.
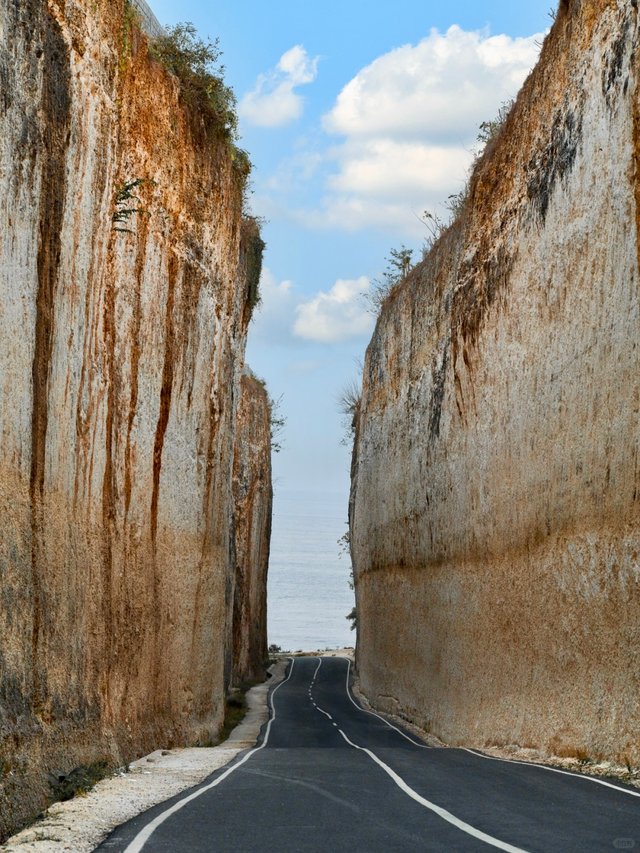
x,y
496,485
253,497
121,348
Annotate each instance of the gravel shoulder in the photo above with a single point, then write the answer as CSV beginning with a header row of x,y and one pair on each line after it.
x,y
79,825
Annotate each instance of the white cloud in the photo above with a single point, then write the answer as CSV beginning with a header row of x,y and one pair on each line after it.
x,y
350,213
274,315
409,121
283,314
274,102
335,316
386,168
440,89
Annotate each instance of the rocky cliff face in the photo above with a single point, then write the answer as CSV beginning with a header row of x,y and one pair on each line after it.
x,y
253,497
121,346
496,481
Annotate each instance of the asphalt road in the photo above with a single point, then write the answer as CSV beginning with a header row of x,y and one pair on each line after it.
x,y
329,777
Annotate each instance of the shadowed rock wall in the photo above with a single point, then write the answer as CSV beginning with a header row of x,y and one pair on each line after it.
x,y
494,517
121,347
253,496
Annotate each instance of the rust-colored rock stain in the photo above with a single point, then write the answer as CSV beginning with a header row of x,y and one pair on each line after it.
x,y
56,106
117,567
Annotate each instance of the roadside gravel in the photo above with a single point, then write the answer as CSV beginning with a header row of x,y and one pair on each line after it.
x,y
79,825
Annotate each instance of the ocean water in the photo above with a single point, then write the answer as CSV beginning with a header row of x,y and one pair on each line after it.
x,y
308,589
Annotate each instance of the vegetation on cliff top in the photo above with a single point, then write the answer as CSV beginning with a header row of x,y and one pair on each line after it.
x,y
399,260
196,64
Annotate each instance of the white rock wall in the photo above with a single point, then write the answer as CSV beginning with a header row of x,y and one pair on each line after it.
x,y
495,504
120,362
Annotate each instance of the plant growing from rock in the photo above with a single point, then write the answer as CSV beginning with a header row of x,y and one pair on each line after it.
x,y
398,266
277,423
127,204
253,247
196,64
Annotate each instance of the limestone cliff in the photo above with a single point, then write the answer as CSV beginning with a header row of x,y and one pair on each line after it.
x,y
121,347
253,497
496,481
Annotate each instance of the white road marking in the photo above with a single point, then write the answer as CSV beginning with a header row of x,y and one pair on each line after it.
x,y
373,713
442,813
555,770
491,757
145,834
406,789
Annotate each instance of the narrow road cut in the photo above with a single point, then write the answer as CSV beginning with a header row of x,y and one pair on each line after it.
x,y
330,776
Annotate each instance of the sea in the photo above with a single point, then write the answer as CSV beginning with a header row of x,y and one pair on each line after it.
x,y
308,588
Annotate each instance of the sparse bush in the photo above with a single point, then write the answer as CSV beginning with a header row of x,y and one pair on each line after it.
x,y
457,202
66,786
353,617
235,710
252,247
398,266
435,228
196,64
277,423
489,130
126,204
349,405
344,546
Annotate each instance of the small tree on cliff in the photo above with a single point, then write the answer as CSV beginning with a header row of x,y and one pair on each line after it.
x,y
398,266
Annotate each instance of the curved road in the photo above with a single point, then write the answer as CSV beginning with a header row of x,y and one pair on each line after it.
x,y
329,776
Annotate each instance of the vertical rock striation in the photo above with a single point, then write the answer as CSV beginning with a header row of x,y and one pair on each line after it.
x,y
121,349
494,515
253,497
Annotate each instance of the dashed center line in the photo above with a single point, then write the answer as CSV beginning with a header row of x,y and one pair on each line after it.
x,y
410,792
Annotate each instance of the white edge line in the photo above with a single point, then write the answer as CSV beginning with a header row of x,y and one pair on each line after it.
x,y
406,789
143,836
373,713
554,770
442,813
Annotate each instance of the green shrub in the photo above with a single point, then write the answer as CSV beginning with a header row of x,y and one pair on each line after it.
x,y
65,786
252,248
196,64
398,267
126,204
277,423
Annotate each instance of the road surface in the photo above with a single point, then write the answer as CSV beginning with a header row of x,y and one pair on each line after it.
x,y
329,777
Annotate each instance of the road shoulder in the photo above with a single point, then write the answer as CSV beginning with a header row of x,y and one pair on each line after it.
x,y
81,824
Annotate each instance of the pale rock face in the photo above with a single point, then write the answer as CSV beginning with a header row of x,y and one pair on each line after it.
x,y
253,495
120,361
496,485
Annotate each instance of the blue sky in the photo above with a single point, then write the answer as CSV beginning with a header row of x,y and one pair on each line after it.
x,y
357,117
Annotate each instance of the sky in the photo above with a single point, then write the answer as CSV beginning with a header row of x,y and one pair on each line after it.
x,y
357,117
